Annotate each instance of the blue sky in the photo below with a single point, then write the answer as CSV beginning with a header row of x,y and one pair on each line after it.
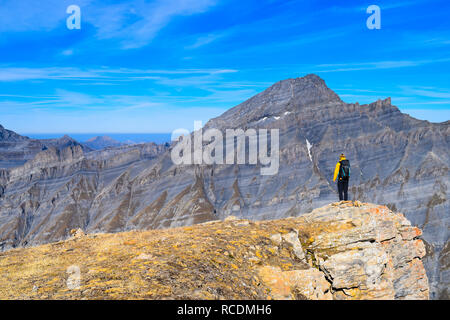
x,y
154,66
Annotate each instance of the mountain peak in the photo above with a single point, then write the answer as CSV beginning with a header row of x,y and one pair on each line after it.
x,y
101,142
6,134
66,137
100,138
312,77
284,96
313,89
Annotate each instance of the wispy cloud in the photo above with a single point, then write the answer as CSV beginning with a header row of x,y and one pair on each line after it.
x,y
136,23
70,111
67,52
429,92
430,115
132,23
31,15
64,100
360,66
20,74
94,74
384,6
205,39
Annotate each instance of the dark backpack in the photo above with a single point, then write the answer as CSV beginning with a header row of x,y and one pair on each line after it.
x,y
344,170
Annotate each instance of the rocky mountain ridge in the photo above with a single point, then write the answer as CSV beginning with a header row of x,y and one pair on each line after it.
x,y
396,160
346,250
16,150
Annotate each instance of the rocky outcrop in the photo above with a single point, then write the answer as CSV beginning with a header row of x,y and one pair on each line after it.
x,y
369,252
346,250
396,160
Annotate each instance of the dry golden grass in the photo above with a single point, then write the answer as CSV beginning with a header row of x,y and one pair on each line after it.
x,y
216,260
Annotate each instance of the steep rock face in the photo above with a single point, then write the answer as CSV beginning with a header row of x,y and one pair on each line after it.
x,y
16,150
396,160
342,251
56,191
372,254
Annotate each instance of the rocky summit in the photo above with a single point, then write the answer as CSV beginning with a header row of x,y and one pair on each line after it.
x,y
346,250
396,160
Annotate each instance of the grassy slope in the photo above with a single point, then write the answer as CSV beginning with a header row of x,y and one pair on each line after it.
x,y
209,261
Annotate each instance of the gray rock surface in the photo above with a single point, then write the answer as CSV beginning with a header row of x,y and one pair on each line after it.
x,y
362,250
15,149
396,160
369,252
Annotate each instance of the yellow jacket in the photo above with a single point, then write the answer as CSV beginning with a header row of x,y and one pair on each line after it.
x,y
338,166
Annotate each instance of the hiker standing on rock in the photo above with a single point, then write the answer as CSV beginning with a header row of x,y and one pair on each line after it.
x,y
342,172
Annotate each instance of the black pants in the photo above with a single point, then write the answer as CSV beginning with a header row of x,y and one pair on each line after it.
x,y
343,189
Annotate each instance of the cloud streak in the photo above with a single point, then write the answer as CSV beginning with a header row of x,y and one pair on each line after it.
x,y
133,24
136,23
11,74
376,65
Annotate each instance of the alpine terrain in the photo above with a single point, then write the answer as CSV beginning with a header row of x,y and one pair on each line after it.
x,y
347,250
48,188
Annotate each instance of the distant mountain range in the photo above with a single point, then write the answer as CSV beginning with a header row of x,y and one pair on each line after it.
x,y
126,138
396,160
16,149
